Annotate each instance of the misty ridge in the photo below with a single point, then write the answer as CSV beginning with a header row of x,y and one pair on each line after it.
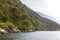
x,y
48,17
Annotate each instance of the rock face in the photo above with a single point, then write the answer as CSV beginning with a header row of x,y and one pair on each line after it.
x,y
2,31
15,15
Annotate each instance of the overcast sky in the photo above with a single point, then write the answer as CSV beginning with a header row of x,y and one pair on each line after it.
x,y
48,7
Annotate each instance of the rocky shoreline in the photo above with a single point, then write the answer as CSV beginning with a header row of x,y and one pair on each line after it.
x,y
4,31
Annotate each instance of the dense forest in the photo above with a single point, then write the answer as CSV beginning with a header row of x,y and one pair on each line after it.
x,y
15,15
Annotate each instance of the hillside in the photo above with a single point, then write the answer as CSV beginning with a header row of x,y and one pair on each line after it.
x,y
15,15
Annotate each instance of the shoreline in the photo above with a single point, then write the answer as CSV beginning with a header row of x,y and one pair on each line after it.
x,y
3,31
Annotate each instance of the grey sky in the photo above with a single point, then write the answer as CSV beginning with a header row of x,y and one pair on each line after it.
x,y
48,7
36,5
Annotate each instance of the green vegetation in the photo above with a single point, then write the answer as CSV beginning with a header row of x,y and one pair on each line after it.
x,y
15,15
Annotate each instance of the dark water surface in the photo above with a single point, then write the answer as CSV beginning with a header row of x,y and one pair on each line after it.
x,y
39,35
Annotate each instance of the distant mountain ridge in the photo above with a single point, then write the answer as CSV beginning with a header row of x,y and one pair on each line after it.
x,y
48,17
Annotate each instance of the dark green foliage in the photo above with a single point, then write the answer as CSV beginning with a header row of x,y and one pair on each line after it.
x,y
12,10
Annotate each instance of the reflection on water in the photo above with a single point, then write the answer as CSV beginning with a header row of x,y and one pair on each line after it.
x,y
39,35
6,37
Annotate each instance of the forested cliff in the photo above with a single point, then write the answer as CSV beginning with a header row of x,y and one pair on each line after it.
x,y
15,15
